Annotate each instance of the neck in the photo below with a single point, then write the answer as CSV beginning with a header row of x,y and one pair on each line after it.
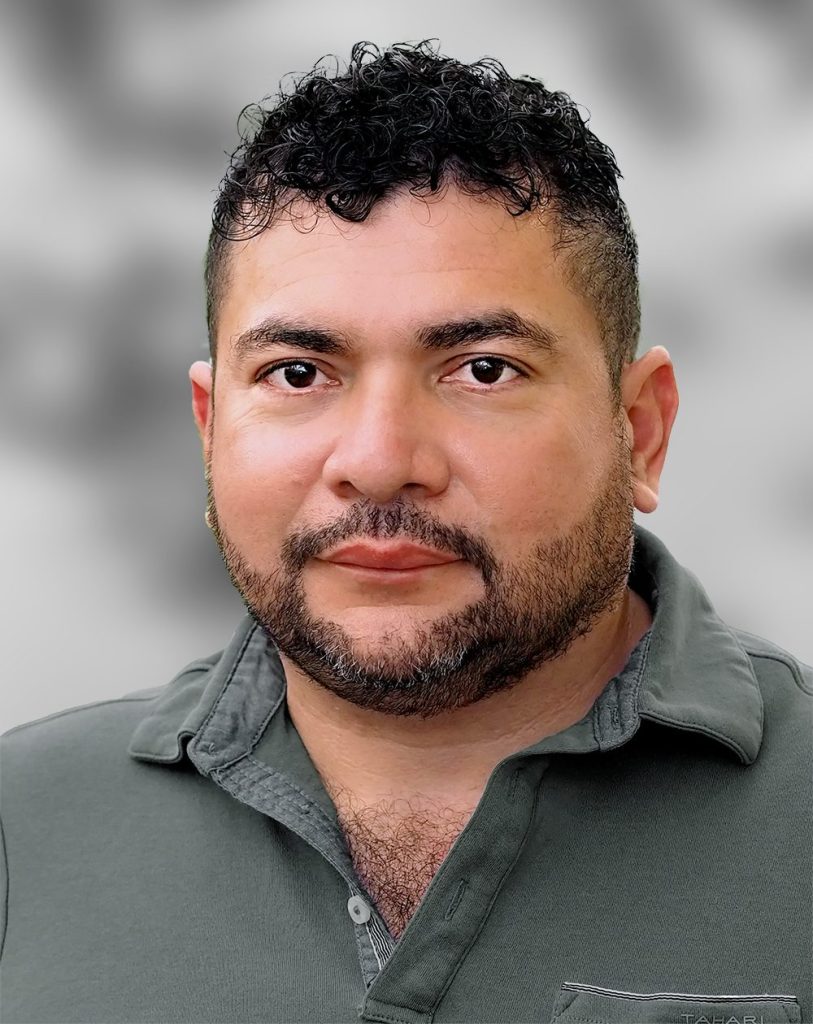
x,y
449,758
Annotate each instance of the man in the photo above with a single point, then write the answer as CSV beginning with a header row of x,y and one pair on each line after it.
x,y
482,750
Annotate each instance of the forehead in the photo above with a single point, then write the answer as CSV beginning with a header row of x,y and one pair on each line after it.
x,y
412,261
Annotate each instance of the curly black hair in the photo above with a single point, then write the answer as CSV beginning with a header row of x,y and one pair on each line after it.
x,y
411,117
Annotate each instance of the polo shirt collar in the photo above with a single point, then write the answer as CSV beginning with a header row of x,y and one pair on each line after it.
x,y
699,677
688,672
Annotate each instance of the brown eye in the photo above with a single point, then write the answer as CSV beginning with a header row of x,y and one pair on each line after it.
x,y
294,375
486,371
489,370
299,375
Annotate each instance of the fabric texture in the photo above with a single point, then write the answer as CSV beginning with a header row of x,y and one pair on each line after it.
x,y
172,855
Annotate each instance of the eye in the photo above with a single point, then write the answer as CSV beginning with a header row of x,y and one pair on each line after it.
x,y
490,370
297,374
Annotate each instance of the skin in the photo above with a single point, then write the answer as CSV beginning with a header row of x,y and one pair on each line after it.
x,y
514,466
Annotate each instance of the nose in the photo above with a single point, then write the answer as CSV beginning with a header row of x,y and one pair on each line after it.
x,y
389,440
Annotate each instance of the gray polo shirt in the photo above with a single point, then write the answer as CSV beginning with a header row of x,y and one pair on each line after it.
x,y
172,855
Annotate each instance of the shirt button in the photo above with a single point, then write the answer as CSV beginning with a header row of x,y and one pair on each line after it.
x,y
359,910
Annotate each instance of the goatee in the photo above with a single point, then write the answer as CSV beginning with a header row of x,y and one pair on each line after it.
x,y
531,611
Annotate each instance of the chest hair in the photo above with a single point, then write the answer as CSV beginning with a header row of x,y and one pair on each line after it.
x,y
396,848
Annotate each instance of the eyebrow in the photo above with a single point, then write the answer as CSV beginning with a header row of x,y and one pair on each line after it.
x,y
498,323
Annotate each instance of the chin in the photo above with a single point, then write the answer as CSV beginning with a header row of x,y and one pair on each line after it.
x,y
373,626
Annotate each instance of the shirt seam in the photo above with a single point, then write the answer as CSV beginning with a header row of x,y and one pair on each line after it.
x,y
782,660
7,886
74,711
703,997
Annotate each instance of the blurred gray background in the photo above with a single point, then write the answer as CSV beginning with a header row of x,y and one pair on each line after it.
x,y
116,118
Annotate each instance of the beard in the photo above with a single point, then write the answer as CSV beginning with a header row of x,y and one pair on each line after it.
x,y
531,612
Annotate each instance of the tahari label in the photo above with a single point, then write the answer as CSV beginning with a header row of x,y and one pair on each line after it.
x,y
692,1018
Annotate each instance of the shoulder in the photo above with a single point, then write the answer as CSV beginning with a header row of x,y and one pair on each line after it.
x,y
70,786
93,721
94,729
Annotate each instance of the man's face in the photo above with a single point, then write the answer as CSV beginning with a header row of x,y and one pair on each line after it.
x,y
500,453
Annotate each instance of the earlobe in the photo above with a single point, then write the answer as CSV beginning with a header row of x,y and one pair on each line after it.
x,y
650,397
200,376
645,499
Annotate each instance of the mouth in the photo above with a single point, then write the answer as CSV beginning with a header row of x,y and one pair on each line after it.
x,y
389,559
379,574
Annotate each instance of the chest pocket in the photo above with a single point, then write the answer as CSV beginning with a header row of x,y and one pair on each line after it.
x,y
589,1004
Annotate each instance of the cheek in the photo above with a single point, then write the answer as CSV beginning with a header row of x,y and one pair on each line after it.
x,y
260,479
537,483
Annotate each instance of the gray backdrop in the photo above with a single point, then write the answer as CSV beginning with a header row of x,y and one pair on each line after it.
x,y
116,117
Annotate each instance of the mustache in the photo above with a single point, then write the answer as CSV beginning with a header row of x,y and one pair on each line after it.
x,y
368,521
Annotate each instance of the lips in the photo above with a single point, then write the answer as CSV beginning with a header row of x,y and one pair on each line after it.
x,y
389,556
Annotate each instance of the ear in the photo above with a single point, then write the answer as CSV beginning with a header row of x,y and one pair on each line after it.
x,y
650,398
200,374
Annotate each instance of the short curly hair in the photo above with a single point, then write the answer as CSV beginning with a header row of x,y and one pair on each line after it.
x,y
411,117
